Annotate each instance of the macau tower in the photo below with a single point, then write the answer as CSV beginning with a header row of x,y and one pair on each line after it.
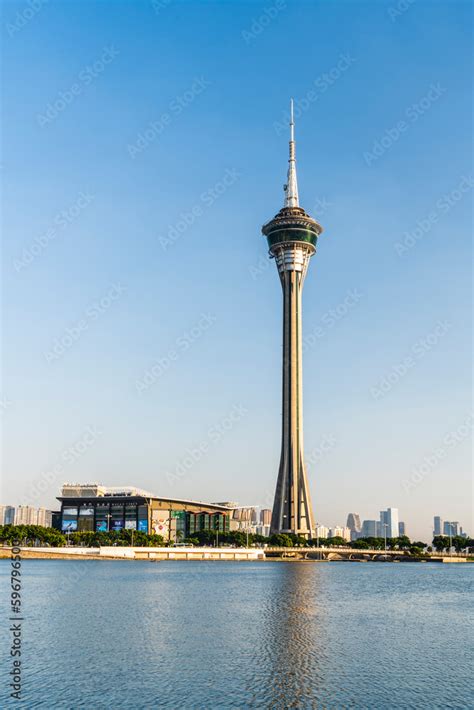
x,y
292,235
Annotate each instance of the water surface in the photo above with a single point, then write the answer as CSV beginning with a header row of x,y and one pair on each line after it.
x,y
120,634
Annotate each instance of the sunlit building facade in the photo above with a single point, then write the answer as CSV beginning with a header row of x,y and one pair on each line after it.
x,y
115,509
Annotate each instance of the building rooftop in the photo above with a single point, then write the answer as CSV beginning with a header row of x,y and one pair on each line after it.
x,y
97,490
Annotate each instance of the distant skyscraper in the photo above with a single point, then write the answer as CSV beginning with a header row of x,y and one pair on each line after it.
x,y
451,528
401,529
353,522
265,516
7,515
437,525
388,523
292,235
370,528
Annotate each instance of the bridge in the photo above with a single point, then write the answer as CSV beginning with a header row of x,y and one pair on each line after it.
x,y
351,553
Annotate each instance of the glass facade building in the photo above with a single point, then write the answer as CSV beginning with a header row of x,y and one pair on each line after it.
x,y
173,519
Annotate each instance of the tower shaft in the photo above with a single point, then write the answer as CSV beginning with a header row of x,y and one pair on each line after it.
x,y
292,509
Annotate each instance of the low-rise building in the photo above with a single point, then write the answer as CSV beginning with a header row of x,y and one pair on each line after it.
x,y
338,531
102,508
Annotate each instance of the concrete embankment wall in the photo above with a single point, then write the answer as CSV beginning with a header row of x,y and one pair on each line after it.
x,y
138,553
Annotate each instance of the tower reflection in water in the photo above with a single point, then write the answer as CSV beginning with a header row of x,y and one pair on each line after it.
x,y
294,637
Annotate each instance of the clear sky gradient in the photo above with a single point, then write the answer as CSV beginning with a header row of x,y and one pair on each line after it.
x,y
144,146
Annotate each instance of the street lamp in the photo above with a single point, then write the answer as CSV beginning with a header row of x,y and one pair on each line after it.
x,y
450,536
385,526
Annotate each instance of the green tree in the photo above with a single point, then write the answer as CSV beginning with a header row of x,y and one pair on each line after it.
x,y
280,540
191,541
335,541
440,542
459,543
403,542
31,535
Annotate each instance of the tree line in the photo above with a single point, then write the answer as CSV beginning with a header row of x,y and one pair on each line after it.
x,y
29,535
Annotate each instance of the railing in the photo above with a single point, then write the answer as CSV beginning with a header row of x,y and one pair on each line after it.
x,y
360,551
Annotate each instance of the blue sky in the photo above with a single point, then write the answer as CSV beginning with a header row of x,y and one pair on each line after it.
x,y
144,147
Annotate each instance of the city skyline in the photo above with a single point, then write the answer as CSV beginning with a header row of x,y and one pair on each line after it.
x,y
115,371
255,519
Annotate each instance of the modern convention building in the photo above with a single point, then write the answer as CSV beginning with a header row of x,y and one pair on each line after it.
x,y
94,507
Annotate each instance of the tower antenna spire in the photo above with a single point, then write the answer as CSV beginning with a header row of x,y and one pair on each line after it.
x,y
291,188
